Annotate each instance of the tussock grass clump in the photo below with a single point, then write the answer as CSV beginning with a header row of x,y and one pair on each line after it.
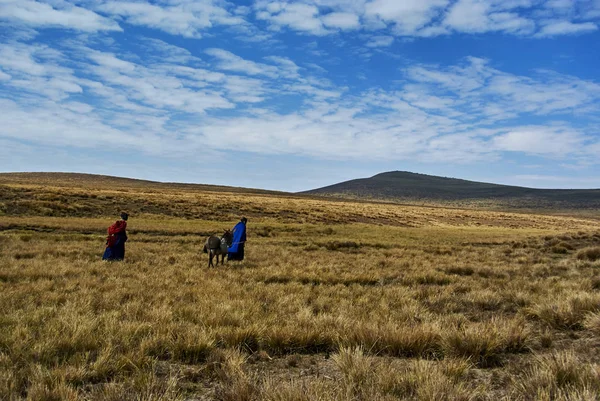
x,y
357,372
396,340
432,279
341,245
592,323
191,345
142,386
48,387
429,382
289,340
559,376
566,314
559,249
592,254
460,270
566,245
299,390
367,378
234,382
245,338
486,343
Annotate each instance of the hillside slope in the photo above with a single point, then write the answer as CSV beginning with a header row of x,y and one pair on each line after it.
x,y
105,181
406,186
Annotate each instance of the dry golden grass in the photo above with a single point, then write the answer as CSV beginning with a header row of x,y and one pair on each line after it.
x,y
335,301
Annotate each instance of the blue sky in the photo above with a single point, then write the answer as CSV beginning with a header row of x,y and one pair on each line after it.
x,y
293,95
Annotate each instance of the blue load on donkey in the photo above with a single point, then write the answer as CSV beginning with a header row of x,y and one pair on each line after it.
x,y
236,250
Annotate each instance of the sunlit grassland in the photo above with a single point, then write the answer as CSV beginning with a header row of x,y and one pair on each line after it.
x,y
335,301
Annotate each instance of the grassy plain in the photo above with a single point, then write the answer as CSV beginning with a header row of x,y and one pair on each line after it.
x,y
335,300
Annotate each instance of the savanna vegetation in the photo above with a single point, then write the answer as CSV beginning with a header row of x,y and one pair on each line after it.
x,y
335,300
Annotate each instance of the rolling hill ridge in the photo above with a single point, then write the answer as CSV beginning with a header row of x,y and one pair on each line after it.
x,y
405,186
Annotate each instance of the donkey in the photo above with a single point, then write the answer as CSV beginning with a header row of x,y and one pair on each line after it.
x,y
216,246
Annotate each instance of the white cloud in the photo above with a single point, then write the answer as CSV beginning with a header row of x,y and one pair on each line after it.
x,y
160,50
540,140
407,16
491,94
566,28
76,95
477,16
469,16
428,18
297,16
63,14
179,17
36,68
380,41
592,10
287,67
231,62
342,21
413,18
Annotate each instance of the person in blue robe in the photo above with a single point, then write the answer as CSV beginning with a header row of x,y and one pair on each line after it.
x,y
236,250
115,242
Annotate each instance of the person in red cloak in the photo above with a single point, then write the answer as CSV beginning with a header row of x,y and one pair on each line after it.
x,y
115,242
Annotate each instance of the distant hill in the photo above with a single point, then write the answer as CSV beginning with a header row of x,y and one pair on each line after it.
x,y
106,181
404,186
88,195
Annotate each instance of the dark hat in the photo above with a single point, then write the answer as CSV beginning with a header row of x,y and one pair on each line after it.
x,y
124,216
244,220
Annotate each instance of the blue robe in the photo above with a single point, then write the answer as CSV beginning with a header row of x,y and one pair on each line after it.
x,y
117,251
236,250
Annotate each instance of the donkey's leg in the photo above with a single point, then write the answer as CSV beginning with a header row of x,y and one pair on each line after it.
x,y
210,259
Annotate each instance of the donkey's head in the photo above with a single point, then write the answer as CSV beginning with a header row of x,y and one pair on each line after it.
x,y
228,237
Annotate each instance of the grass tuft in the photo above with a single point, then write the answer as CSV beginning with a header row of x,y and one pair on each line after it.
x,y
591,254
